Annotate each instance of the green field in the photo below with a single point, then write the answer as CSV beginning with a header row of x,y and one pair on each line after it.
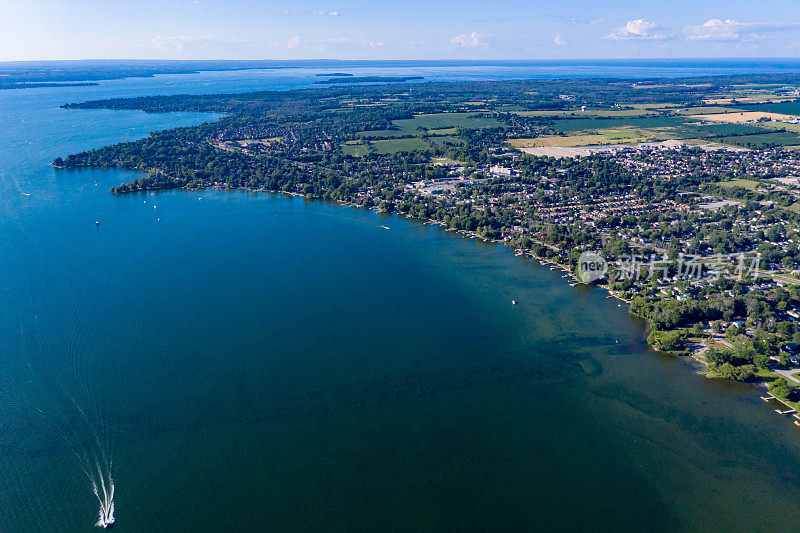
x,y
706,110
582,124
356,150
787,108
589,113
750,185
710,131
441,141
437,121
778,138
393,146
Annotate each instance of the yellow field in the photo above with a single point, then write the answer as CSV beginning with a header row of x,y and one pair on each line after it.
x,y
608,137
746,116
747,100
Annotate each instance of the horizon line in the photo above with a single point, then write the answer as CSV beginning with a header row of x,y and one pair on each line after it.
x,y
452,60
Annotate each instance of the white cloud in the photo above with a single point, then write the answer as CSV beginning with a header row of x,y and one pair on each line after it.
x,y
375,44
181,43
327,13
639,29
473,40
294,42
558,40
731,30
178,42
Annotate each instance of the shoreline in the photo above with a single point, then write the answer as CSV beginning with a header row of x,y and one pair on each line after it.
x,y
573,280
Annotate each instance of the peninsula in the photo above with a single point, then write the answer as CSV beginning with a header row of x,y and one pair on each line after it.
x,y
687,189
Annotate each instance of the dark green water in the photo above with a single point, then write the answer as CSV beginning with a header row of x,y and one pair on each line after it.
x,y
266,363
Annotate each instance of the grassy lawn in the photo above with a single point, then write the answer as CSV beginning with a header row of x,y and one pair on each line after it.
x,y
355,149
750,185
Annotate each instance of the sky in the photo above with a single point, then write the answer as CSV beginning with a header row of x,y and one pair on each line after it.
x,y
400,29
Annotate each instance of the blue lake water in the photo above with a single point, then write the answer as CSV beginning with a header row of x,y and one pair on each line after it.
x,y
256,362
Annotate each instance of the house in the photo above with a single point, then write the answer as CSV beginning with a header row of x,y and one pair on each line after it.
x,y
500,170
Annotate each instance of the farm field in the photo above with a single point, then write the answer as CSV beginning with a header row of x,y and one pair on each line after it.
x,y
392,146
745,116
711,131
606,137
582,124
778,138
438,123
588,113
704,110
441,141
787,108
446,120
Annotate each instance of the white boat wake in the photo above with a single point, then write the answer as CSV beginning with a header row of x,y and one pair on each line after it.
x,y
105,496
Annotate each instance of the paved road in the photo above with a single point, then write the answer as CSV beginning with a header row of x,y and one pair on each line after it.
x,y
789,374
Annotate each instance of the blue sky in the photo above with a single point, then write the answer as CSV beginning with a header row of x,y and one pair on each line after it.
x,y
354,29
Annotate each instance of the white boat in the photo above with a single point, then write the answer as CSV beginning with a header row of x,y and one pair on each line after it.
x,y
513,302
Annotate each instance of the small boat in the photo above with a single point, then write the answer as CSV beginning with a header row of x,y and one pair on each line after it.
x,y
513,302
96,222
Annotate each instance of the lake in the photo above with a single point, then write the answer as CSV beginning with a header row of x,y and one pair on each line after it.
x,y
252,361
